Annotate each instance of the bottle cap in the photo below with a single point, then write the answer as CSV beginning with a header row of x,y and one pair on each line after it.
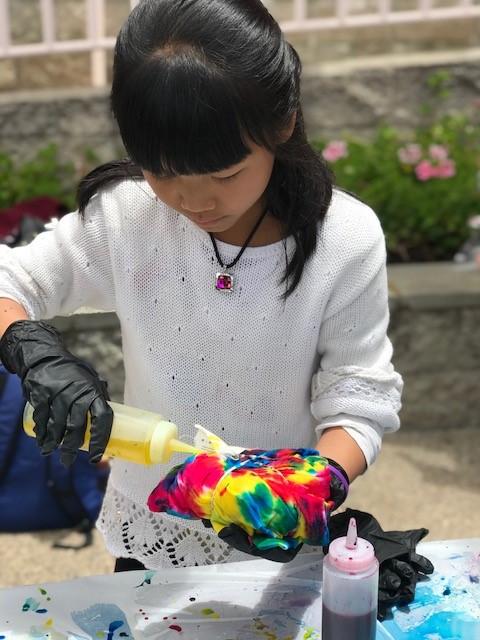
x,y
350,553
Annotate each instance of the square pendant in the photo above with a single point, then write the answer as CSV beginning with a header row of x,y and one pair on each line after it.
x,y
224,282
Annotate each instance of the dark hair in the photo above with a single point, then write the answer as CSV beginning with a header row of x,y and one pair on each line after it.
x,y
193,81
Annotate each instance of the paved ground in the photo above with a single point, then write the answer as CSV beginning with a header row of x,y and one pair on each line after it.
x,y
426,479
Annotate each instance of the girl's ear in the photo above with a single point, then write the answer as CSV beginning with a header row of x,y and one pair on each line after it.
x,y
288,130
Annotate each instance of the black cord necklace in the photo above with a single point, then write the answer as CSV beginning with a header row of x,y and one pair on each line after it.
x,y
223,279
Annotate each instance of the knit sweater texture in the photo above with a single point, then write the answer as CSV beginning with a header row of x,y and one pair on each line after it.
x,y
258,370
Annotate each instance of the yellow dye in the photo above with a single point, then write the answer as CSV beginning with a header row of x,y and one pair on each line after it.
x,y
210,613
130,450
182,447
264,630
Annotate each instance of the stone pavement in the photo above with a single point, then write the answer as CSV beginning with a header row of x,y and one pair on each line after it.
x,y
427,479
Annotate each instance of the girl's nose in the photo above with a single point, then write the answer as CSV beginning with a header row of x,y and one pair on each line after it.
x,y
195,206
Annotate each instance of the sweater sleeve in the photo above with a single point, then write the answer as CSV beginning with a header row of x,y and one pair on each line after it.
x,y
356,386
62,269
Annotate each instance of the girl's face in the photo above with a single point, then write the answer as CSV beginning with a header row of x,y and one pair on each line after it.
x,y
216,202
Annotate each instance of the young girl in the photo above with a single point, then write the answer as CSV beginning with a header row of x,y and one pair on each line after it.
x,y
252,296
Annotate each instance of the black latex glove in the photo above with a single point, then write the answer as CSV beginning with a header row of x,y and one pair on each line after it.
x,y
61,388
400,565
238,538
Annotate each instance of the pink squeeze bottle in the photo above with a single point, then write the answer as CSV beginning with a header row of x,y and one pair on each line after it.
x,y
350,589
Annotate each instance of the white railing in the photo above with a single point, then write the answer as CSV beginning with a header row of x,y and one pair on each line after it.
x,y
97,43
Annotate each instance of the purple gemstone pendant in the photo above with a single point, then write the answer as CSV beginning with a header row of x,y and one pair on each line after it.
x,y
224,282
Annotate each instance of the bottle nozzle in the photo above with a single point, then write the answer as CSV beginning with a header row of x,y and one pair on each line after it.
x,y
182,447
351,541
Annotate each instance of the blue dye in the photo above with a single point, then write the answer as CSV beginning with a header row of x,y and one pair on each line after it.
x,y
424,597
474,579
147,579
446,625
450,625
30,604
101,617
112,627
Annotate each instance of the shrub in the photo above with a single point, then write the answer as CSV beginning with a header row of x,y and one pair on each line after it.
x,y
424,188
44,175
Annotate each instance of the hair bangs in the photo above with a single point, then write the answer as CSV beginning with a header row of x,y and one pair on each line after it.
x,y
186,117
195,84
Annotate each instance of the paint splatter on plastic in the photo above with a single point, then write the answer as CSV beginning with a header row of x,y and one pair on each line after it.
x,y
45,594
147,578
31,604
103,621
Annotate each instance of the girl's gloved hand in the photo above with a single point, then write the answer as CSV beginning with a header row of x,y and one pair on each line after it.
x,y
265,503
61,388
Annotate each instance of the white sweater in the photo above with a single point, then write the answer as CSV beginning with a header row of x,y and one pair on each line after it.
x,y
257,370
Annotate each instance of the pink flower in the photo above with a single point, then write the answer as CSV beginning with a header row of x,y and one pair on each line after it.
x,y
438,152
425,170
335,150
446,169
410,154
474,222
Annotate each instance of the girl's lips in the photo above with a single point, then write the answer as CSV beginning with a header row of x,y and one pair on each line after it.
x,y
208,223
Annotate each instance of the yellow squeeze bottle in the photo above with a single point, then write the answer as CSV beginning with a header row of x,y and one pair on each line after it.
x,y
137,435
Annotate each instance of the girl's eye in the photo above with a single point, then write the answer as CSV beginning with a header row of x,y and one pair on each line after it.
x,y
226,178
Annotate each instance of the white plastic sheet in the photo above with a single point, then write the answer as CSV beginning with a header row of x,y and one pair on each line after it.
x,y
253,600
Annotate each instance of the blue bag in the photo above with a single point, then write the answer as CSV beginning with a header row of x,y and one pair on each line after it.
x,y
37,492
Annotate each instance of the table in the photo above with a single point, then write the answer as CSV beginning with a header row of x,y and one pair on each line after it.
x,y
256,600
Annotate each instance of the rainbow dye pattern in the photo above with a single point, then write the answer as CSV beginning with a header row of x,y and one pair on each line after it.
x,y
279,497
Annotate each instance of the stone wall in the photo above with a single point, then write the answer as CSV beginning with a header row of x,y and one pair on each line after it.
x,y
438,354
349,97
435,315
336,99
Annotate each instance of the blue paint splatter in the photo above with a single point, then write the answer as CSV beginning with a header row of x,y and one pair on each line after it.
x,y
147,579
449,623
474,579
103,618
445,624
37,632
112,627
30,604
